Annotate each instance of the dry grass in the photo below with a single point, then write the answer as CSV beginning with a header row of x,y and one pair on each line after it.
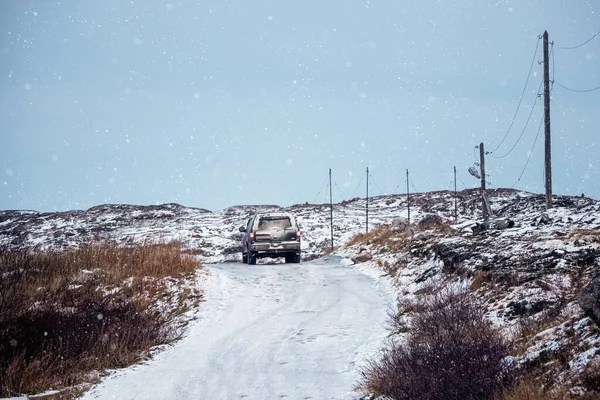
x,y
384,235
363,238
65,314
589,235
480,279
531,389
326,251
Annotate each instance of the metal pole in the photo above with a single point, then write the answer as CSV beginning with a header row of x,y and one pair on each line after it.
x,y
331,207
367,230
455,199
407,197
548,147
482,165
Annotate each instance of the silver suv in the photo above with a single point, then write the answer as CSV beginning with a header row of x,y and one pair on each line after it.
x,y
271,235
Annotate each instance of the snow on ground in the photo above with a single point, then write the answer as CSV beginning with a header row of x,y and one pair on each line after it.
x,y
527,277
263,325
265,332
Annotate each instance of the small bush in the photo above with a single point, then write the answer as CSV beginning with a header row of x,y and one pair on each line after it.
x,y
451,352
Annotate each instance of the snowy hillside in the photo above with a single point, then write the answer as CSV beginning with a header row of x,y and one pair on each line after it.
x,y
214,236
527,270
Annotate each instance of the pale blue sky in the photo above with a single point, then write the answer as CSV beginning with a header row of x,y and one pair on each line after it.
x,y
217,103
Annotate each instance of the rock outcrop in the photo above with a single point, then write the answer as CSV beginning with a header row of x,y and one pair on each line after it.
x,y
589,300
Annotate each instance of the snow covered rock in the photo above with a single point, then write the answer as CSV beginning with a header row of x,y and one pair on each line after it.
x,y
429,221
493,224
543,219
399,224
361,258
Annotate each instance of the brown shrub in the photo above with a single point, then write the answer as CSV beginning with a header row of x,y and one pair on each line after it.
x,y
451,352
65,314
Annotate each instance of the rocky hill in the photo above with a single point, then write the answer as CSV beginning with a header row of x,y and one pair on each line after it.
x,y
526,266
213,236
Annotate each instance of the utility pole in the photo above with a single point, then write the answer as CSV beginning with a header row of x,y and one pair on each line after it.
x,y
407,197
455,199
367,230
548,148
331,207
482,165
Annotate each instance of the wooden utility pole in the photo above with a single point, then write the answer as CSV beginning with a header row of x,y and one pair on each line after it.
x,y
482,166
331,207
367,230
407,197
548,147
455,199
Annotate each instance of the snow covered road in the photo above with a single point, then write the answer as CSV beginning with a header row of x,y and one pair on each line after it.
x,y
292,331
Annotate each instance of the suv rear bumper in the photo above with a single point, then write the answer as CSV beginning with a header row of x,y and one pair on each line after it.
x,y
275,248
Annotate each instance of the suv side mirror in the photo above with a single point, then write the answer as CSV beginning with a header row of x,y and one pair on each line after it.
x,y
242,229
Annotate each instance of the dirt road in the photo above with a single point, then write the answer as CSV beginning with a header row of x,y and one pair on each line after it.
x,y
290,331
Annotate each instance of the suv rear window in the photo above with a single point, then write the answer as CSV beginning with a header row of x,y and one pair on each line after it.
x,y
274,222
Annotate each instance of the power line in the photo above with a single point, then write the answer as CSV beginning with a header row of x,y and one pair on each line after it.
x,y
530,153
401,183
404,182
557,105
337,188
461,180
522,94
575,90
357,186
553,69
412,183
578,46
373,179
322,186
525,127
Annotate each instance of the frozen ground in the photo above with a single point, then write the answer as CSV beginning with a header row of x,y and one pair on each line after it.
x,y
271,331
266,332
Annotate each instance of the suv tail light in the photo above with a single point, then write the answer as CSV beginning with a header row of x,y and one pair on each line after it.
x,y
298,234
252,236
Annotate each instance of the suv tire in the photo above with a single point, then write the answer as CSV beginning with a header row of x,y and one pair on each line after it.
x,y
251,258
